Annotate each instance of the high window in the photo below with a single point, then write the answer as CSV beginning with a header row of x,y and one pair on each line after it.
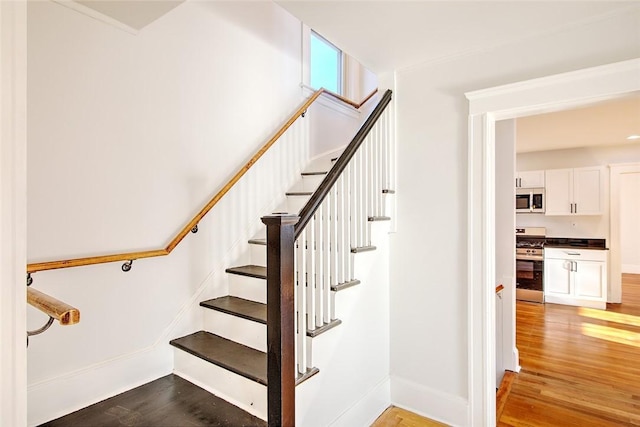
x,y
326,64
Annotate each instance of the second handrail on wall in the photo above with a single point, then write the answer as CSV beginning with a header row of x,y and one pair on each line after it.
x,y
191,225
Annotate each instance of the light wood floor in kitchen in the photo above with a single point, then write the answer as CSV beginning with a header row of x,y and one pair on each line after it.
x,y
580,367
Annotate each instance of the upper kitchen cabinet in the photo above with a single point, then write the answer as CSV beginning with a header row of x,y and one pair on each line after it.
x,y
574,191
530,179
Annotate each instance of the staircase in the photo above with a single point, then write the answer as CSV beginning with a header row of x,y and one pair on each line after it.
x,y
229,357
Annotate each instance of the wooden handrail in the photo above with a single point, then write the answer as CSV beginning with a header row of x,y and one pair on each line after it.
x,y
101,259
60,311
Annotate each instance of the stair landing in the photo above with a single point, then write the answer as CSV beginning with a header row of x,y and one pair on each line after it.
x,y
167,401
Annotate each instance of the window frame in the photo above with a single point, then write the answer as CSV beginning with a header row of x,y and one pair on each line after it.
x,y
341,61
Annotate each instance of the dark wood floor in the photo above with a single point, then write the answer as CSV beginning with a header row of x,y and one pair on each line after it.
x,y
580,366
167,402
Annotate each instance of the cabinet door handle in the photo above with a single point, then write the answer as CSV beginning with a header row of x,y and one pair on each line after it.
x,y
571,207
575,208
575,266
572,253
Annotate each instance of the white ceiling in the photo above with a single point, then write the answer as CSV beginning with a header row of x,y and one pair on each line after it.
x,y
391,35
135,14
605,123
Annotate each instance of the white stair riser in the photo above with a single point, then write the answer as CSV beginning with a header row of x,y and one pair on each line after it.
x,y
243,331
234,388
248,288
258,255
311,182
308,183
296,203
292,204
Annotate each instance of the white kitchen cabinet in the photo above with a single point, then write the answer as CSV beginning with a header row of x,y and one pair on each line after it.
x,y
576,277
574,191
530,179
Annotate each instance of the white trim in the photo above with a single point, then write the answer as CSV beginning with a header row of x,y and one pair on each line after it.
x,y
92,13
331,103
97,382
365,411
615,257
13,213
305,78
630,269
485,107
434,404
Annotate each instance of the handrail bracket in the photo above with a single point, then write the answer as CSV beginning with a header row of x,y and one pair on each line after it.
x,y
127,265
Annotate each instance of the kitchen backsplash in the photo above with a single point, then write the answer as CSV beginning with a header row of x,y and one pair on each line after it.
x,y
567,226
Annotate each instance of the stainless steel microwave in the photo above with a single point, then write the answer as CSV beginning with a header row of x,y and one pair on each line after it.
x,y
530,200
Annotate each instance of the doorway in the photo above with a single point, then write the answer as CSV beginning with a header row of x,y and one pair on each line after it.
x,y
623,181
485,107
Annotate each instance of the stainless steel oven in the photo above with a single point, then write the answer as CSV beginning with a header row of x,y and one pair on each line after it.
x,y
530,264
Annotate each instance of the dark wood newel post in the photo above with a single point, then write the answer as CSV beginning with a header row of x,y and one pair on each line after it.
x,y
281,399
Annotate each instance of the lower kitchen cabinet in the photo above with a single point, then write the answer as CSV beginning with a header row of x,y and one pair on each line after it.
x,y
576,277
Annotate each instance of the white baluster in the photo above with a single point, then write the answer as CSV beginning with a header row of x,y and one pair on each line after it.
x,y
366,190
318,260
350,203
341,230
301,332
311,272
328,219
378,162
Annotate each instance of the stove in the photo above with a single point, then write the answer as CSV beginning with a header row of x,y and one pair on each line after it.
x,y
530,263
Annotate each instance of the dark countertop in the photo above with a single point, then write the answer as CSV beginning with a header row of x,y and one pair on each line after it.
x,y
574,243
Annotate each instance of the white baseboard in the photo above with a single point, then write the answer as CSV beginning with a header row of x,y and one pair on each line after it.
x,y
62,395
365,411
631,268
430,403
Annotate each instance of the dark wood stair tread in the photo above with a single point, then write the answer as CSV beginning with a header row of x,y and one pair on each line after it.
x,y
240,307
360,249
257,271
238,358
314,173
299,193
255,311
345,285
324,328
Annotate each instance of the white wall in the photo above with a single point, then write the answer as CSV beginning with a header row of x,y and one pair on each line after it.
x,y
596,226
129,135
505,244
13,184
352,388
429,342
630,222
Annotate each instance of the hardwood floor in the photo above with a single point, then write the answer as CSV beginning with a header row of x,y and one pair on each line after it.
x,y
166,402
396,417
580,366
